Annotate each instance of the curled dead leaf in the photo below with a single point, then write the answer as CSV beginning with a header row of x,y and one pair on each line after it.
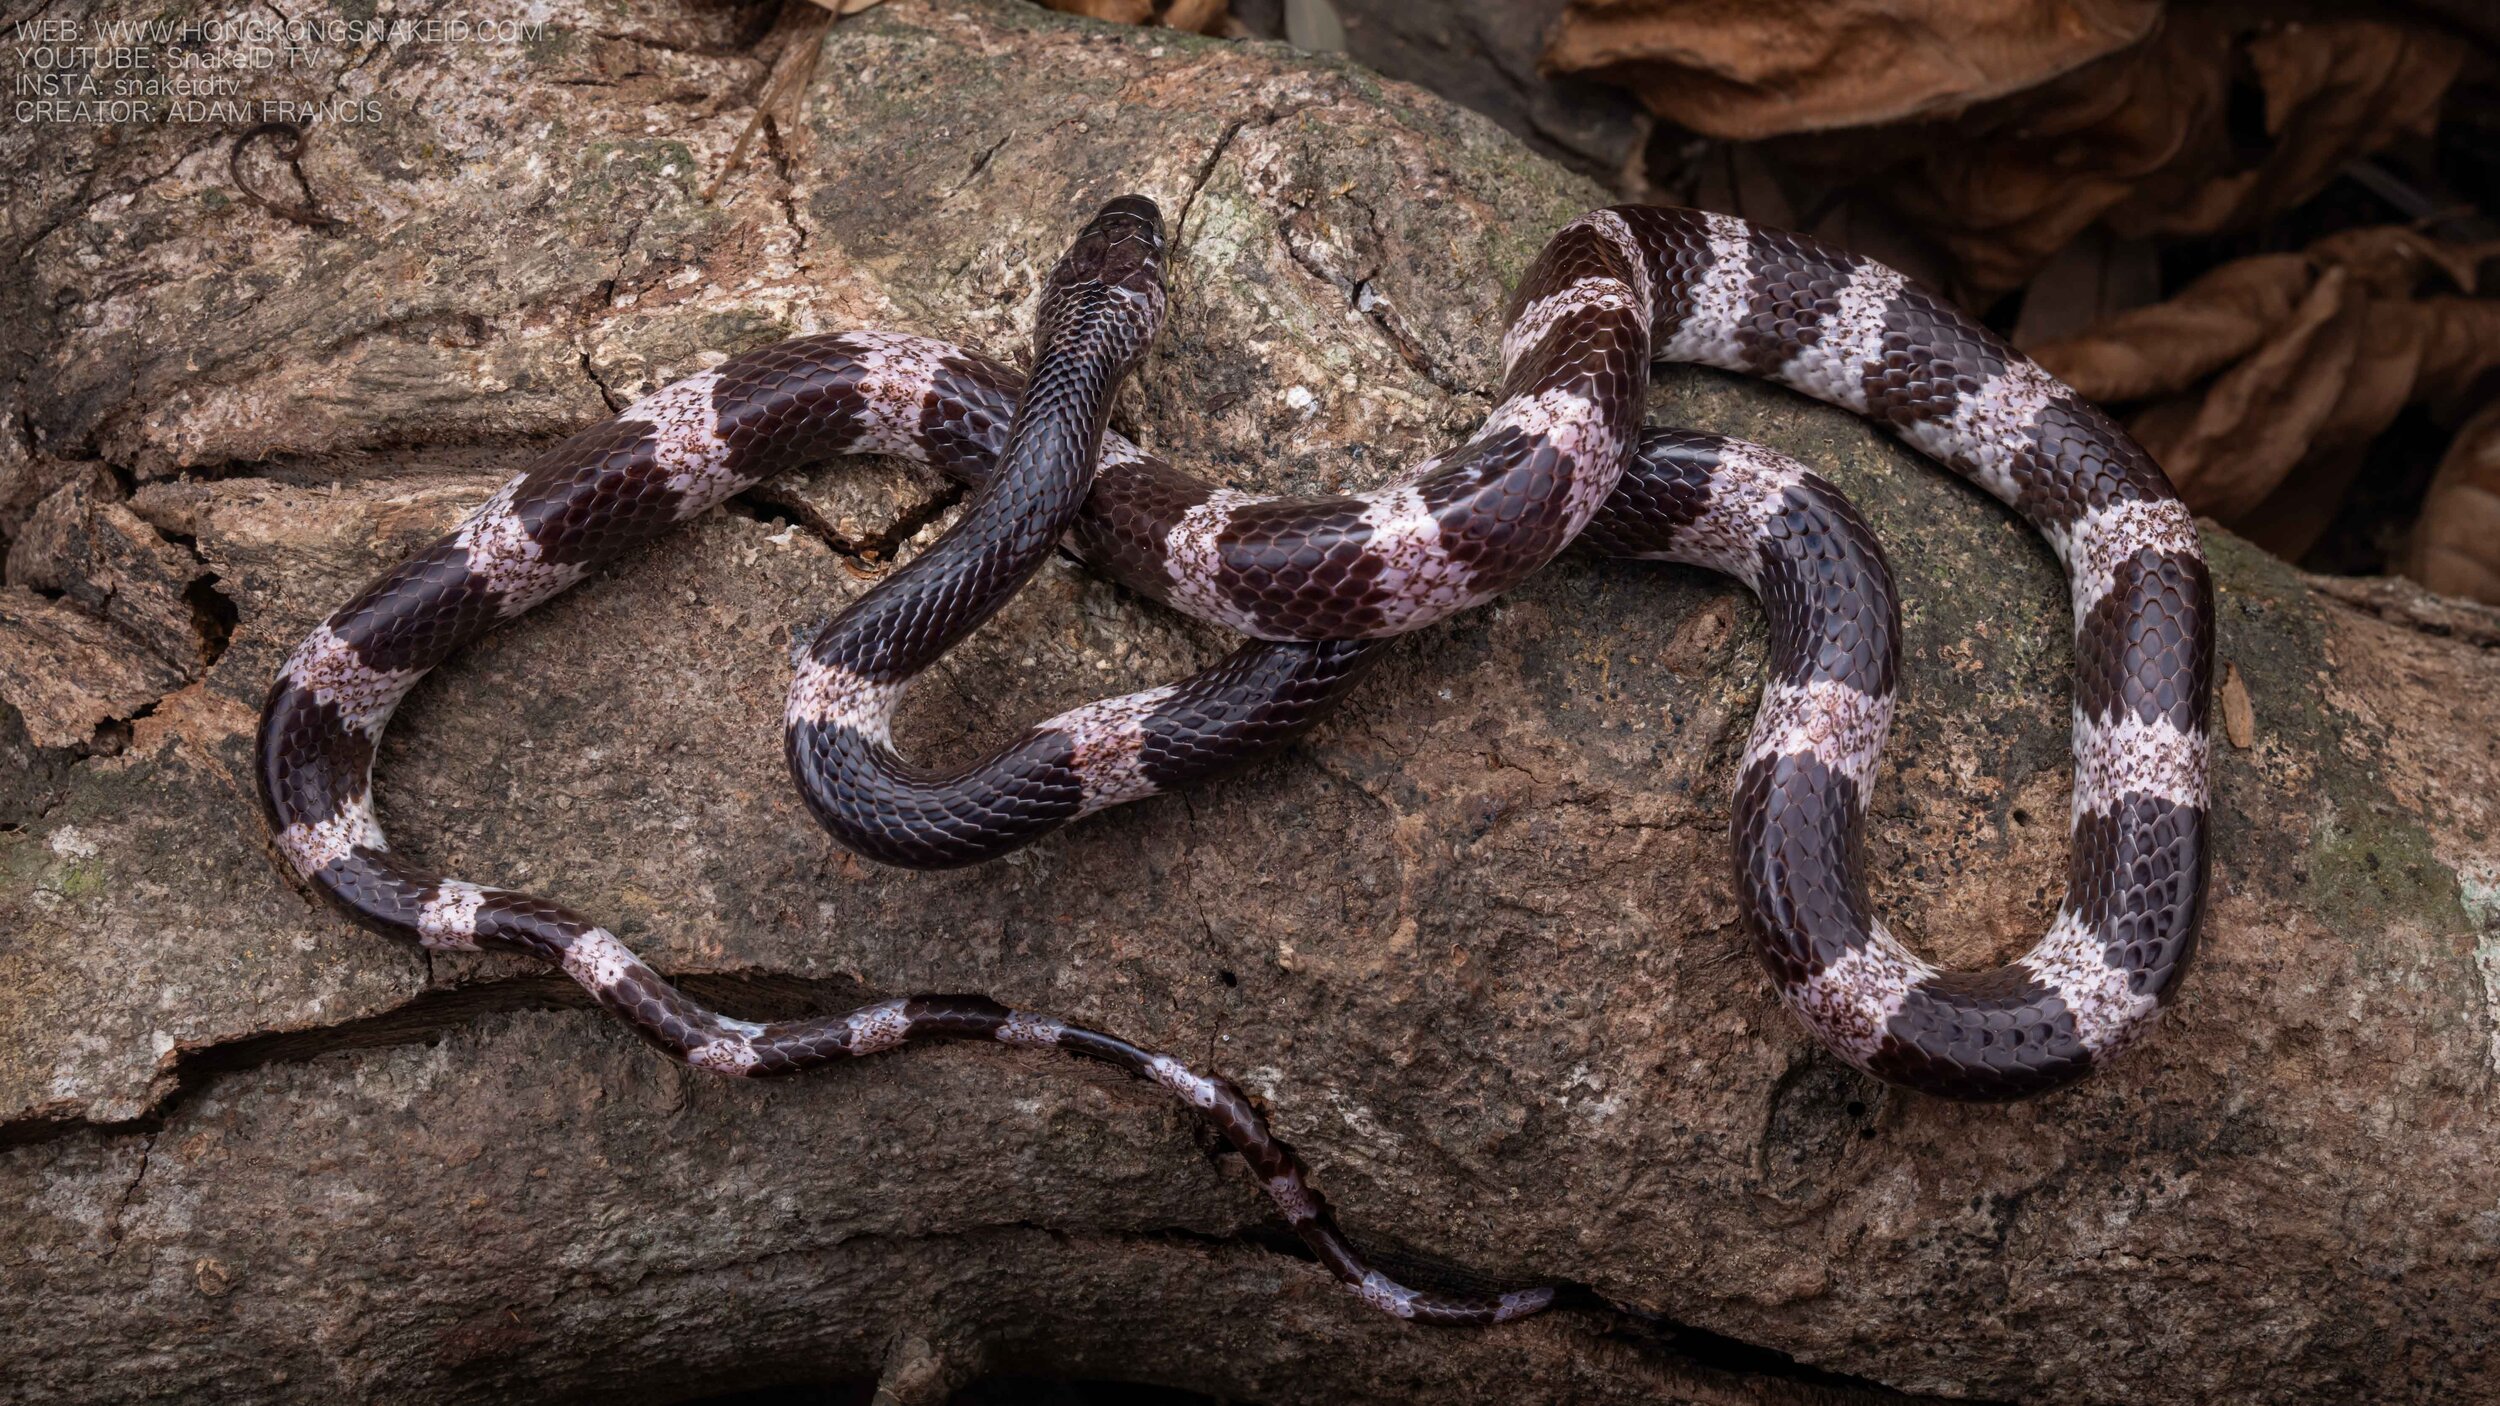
x,y
2169,346
1116,11
2393,261
2228,447
2262,384
2145,139
1757,69
2456,543
2333,90
1196,16
2460,343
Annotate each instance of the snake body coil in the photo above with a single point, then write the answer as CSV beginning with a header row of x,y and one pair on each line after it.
x,y
1318,584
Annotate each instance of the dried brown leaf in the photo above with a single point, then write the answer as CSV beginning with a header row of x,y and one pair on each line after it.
x,y
2089,281
2271,376
1116,11
2394,261
2456,543
2008,185
2229,447
1756,68
2333,91
2383,370
2168,347
2239,716
1196,16
2460,346
2143,139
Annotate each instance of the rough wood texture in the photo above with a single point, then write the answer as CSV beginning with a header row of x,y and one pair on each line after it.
x,y
84,546
1474,941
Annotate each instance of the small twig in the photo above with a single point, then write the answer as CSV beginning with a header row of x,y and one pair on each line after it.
x,y
307,214
792,71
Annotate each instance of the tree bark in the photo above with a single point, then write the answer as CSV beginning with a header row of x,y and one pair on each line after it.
x,y
1474,942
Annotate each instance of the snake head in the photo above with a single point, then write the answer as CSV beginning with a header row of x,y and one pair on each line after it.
x,y
1110,282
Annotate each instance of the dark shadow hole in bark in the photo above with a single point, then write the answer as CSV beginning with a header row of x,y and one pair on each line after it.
x,y
1821,1108
213,614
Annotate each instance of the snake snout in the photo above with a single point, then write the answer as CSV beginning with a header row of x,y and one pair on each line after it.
x,y
1121,248
1134,206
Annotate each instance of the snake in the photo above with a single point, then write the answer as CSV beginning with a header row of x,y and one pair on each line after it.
x,y
1319,586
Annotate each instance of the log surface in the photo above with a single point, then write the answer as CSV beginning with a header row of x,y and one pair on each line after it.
x,y
1474,942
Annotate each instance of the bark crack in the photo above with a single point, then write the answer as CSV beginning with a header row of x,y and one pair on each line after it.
x,y
427,1015
598,382
1206,169
788,196
121,1208
875,548
1379,312
1384,315
1669,1344
980,163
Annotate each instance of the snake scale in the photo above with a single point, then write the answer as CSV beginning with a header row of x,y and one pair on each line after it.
x,y
1318,585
